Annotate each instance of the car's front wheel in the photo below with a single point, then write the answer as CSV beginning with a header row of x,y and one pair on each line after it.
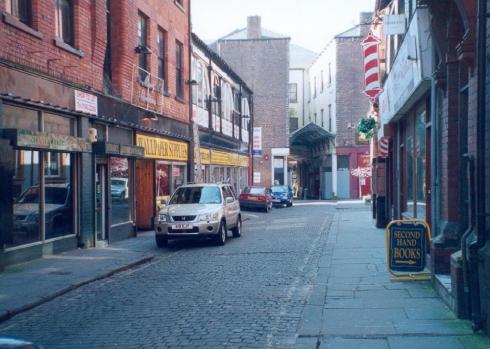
x,y
237,231
221,236
162,241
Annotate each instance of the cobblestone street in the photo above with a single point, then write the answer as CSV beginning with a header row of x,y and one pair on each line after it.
x,y
309,276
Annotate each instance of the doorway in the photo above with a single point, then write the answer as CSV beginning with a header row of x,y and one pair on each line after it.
x,y
101,203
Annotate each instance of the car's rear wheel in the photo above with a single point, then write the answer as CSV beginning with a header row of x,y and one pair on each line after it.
x,y
237,231
221,236
162,241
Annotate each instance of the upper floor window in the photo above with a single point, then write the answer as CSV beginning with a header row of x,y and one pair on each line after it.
x,y
314,87
22,9
293,93
321,81
162,48
179,74
321,112
64,21
329,73
142,45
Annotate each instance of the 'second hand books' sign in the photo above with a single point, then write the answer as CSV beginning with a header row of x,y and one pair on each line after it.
x,y
407,245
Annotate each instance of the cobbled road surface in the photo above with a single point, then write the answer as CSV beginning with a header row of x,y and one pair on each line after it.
x,y
249,293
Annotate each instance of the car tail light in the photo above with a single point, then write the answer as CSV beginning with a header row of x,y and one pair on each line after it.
x,y
242,197
262,198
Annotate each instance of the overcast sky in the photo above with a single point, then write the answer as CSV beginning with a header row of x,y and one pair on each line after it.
x,y
309,23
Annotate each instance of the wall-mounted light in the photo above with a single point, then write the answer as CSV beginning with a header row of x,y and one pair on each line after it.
x,y
150,117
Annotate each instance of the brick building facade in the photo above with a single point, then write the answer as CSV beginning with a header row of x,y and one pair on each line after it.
x,y
91,93
261,58
437,165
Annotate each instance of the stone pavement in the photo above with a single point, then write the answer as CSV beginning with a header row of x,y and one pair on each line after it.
x,y
24,286
354,304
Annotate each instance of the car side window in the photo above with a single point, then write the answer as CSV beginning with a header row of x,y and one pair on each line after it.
x,y
228,193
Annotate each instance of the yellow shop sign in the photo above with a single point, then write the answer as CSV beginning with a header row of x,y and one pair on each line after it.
x,y
219,157
205,157
162,148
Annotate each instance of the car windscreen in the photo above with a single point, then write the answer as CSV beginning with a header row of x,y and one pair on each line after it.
x,y
196,195
279,189
254,191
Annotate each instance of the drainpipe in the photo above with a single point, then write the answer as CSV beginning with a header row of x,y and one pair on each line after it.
x,y
434,136
480,171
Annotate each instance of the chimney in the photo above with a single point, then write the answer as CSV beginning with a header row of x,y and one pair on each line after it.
x,y
254,29
365,18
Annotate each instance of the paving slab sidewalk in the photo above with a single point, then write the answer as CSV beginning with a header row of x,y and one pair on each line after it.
x,y
24,286
354,304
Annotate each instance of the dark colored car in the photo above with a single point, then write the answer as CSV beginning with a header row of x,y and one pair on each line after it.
x,y
282,195
256,197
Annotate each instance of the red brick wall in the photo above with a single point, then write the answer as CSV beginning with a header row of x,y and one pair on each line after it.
x,y
43,55
38,51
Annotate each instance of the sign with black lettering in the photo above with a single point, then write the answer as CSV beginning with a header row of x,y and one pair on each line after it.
x,y
407,245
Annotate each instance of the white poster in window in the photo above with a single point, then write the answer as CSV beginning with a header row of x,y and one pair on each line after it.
x,y
256,177
257,142
85,102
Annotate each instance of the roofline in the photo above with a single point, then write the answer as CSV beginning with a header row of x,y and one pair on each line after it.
x,y
220,62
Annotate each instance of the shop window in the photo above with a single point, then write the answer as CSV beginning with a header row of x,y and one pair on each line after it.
x,y
64,21
420,164
178,176
278,171
162,177
120,193
58,195
409,164
16,117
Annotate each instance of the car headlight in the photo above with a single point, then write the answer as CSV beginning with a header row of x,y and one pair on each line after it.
x,y
205,217
163,217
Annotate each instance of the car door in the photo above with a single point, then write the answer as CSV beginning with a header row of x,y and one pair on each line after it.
x,y
233,208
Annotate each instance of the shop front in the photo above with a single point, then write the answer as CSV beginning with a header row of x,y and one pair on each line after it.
x,y
114,188
39,175
226,167
162,170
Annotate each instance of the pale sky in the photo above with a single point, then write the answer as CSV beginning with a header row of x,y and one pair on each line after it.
x,y
309,23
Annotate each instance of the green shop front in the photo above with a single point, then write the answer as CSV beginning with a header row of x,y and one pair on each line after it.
x,y
39,195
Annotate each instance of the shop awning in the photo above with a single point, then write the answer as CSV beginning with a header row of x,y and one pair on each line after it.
x,y
309,135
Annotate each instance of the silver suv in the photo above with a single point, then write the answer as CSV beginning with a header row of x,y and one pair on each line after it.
x,y
199,210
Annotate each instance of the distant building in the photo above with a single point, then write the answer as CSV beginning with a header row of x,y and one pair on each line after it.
x,y
221,105
327,146
261,58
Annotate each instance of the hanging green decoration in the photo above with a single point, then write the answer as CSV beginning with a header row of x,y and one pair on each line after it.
x,y
366,126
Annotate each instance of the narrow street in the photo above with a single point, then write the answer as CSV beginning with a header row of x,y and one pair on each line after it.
x,y
311,276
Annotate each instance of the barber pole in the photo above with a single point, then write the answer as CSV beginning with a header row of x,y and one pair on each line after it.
x,y
383,147
372,83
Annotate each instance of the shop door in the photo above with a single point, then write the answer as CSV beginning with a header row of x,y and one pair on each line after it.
x,y
145,194
101,202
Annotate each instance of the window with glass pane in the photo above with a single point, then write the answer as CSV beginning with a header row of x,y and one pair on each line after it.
x,y
293,93
420,164
178,176
162,177
142,43
161,43
200,82
64,21
26,199
16,117
59,124
120,193
58,193
179,84
22,9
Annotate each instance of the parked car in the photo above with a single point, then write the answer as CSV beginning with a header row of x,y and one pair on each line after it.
x,y
57,208
119,188
256,197
199,211
282,195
